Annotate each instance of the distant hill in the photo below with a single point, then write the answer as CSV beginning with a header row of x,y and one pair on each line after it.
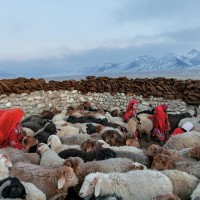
x,y
144,64
4,75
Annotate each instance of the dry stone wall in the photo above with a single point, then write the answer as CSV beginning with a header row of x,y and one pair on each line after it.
x,y
187,90
36,102
34,96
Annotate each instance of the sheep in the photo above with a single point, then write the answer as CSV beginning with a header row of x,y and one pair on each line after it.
x,y
82,169
5,163
51,182
49,158
115,119
102,154
75,139
66,130
16,155
28,131
134,185
185,140
183,183
141,158
32,192
55,144
132,126
28,142
145,126
194,153
58,117
11,187
85,146
192,168
196,193
137,166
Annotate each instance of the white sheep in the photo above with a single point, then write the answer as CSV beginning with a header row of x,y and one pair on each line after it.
x,y
134,185
57,146
82,169
183,183
16,155
116,120
66,130
49,158
184,140
196,193
145,125
51,182
32,192
75,139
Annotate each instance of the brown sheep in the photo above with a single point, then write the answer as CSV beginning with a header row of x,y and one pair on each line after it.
x,y
195,153
51,182
82,169
91,145
163,162
29,142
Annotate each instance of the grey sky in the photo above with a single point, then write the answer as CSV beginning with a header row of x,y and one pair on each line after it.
x,y
67,35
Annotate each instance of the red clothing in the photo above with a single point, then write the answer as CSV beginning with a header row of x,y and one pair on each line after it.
x,y
159,123
177,131
10,131
129,111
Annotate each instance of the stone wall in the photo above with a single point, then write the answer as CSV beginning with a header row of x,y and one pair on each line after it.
x,y
187,90
37,101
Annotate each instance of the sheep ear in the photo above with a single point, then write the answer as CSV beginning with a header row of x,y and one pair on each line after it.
x,y
97,187
7,160
61,182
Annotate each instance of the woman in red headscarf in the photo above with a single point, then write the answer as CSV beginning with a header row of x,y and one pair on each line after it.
x,y
10,129
160,126
131,110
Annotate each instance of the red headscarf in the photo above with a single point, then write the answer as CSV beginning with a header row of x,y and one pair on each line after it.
x,y
131,103
160,117
164,106
8,120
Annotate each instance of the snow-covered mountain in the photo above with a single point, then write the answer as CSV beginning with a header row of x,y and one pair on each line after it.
x,y
168,62
6,75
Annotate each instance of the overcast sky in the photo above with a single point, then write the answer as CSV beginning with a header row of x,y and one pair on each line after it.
x,y
83,33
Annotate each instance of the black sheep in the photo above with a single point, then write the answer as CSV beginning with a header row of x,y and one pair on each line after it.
x,y
102,154
11,187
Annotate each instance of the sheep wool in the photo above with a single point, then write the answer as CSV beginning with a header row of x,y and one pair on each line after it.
x,y
134,185
182,141
183,183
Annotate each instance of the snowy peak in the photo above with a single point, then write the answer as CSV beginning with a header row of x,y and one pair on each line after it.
x,y
149,63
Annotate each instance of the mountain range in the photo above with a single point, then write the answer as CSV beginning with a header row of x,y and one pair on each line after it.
x,y
144,64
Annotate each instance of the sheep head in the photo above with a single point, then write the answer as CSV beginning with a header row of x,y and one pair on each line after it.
x,y
88,187
41,148
65,178
29,142
163,162
133,142
153,150
195,153
88,145
74,163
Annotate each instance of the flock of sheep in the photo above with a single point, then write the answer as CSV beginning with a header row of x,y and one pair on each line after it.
x,y
92,154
